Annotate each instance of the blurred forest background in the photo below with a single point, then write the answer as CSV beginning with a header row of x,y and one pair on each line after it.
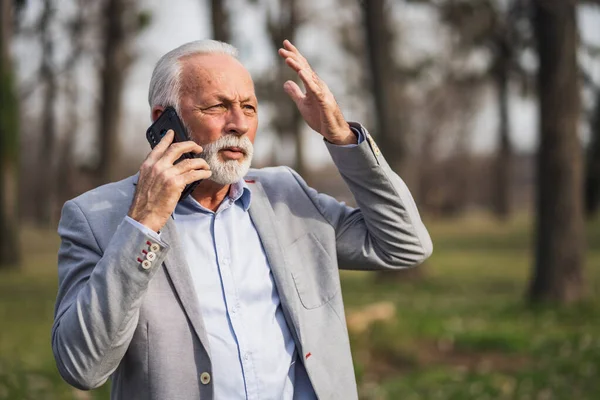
x,y
488,109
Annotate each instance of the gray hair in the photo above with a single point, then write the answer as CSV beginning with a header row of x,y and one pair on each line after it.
x,y
165,83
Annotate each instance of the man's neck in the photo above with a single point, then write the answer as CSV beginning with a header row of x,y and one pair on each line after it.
x,y
210,194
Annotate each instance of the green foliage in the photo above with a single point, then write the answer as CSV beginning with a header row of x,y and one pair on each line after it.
x,y
462,333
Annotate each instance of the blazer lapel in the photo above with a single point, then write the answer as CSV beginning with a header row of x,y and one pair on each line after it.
x,y
179,273
265,221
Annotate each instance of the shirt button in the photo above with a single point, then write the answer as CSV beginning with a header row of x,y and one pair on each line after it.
x,y
151,256
154,247
247,356
146,264
205,378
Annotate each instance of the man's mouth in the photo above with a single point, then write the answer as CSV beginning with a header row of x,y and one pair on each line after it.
x,y
233,152
238,149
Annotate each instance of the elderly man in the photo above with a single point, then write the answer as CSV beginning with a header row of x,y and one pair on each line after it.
x,y
233,292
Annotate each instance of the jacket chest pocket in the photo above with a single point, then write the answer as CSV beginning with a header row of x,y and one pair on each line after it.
x,y
315,275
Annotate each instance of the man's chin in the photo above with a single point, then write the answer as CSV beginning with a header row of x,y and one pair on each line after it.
x,y
225,180
229,171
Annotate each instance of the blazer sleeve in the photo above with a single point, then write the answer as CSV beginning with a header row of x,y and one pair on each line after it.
x,y
99,297
385,231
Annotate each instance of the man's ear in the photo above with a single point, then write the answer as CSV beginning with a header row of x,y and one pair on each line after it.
x,y
156,111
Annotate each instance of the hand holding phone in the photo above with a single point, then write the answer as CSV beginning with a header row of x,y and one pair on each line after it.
x,y
170,120
164,175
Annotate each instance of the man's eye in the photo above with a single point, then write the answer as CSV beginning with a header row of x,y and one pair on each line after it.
x,y
215,107
249,107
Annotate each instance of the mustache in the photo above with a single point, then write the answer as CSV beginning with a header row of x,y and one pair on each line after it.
x,y
228,141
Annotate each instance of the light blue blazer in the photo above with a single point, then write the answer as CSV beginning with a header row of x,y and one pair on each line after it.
x,y
139,323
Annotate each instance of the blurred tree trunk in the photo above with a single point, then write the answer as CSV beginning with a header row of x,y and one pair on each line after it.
x,y
502,184
382,67
45,193
9,145
117,58
592,175
287,122
220,21
383,77
66,165
558,270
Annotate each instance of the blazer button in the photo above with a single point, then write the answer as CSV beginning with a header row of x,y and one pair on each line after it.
x,y
146,264
205,378
154,247
151,256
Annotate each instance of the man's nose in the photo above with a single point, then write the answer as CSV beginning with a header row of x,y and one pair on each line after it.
x,y
237,123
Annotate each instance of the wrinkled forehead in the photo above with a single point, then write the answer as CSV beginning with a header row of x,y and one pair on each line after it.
x,y
200,72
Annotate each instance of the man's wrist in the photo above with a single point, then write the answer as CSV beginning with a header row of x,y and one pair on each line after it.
x,y
343,139
148,221
151,233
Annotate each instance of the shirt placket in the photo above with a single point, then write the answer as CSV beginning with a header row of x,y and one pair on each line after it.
x,y
233,306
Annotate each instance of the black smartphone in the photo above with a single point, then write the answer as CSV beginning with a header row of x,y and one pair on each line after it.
x,y
170,120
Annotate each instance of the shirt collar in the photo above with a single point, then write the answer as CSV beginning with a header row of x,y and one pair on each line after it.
x,y
238,192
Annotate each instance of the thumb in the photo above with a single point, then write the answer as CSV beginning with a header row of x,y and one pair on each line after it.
x,y
294,91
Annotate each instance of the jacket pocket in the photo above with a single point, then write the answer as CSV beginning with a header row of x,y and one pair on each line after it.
x,y
315,275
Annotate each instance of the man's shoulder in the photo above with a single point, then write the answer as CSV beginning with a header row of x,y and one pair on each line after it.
x,y
111,194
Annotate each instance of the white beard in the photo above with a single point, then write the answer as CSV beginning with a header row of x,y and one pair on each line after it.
x,y
230,171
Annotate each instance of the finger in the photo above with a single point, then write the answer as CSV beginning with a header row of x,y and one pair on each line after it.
x,y
162,146
295,65
290,54
294,91
289,46
309,82
195,175
191,164
285,53
176,150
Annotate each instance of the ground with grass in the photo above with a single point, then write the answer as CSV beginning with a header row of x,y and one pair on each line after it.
x,y
462,331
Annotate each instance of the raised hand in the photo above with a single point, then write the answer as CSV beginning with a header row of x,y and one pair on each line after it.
x,y
317,106
160,182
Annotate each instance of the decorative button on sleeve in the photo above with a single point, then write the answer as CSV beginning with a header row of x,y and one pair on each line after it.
x,y
373,145
205,378
149,254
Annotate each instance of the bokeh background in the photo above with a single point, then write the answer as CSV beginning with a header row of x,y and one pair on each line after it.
x,y
488,109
